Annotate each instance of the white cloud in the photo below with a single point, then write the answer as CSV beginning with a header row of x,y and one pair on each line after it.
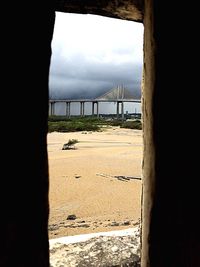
x,y
85,45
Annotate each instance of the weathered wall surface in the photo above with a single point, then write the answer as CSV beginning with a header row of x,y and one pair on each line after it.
x,y
171,233
24,187
148,170
122,9
111,250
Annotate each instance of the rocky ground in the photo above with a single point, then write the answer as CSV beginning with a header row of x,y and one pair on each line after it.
x,y
81,224
105,250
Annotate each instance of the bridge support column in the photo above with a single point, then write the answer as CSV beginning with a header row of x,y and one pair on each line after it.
x,y
97,109
82,108
93,108
68,109
117,110
97,103
122,110
52,108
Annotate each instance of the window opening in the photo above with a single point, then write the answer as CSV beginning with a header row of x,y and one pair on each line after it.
x,y
95,136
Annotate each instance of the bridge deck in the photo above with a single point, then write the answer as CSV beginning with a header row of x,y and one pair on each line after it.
x,y
94,100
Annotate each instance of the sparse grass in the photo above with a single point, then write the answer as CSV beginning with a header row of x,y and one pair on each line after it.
x,y
70,144
74,124
87,123
136,124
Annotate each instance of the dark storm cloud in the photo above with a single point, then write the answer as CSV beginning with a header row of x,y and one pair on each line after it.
x,y
79,78
86,62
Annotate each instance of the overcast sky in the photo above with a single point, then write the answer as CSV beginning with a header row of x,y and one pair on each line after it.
x,y
92,54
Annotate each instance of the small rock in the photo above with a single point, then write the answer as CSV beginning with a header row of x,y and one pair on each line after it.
x,y
114,224
114,249
53,227
126,223
71,217
83,225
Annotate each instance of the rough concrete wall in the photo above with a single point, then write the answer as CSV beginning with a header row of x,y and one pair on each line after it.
x,y
148,170
24,192
171,232
105,250
122,9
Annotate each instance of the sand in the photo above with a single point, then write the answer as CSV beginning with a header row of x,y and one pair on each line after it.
x,y
82,181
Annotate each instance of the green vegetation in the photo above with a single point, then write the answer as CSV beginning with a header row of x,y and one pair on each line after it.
x,y
70,144
87,123
130,124
136,124
74,124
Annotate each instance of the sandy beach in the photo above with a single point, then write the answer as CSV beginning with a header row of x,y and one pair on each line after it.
x,y
97,182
